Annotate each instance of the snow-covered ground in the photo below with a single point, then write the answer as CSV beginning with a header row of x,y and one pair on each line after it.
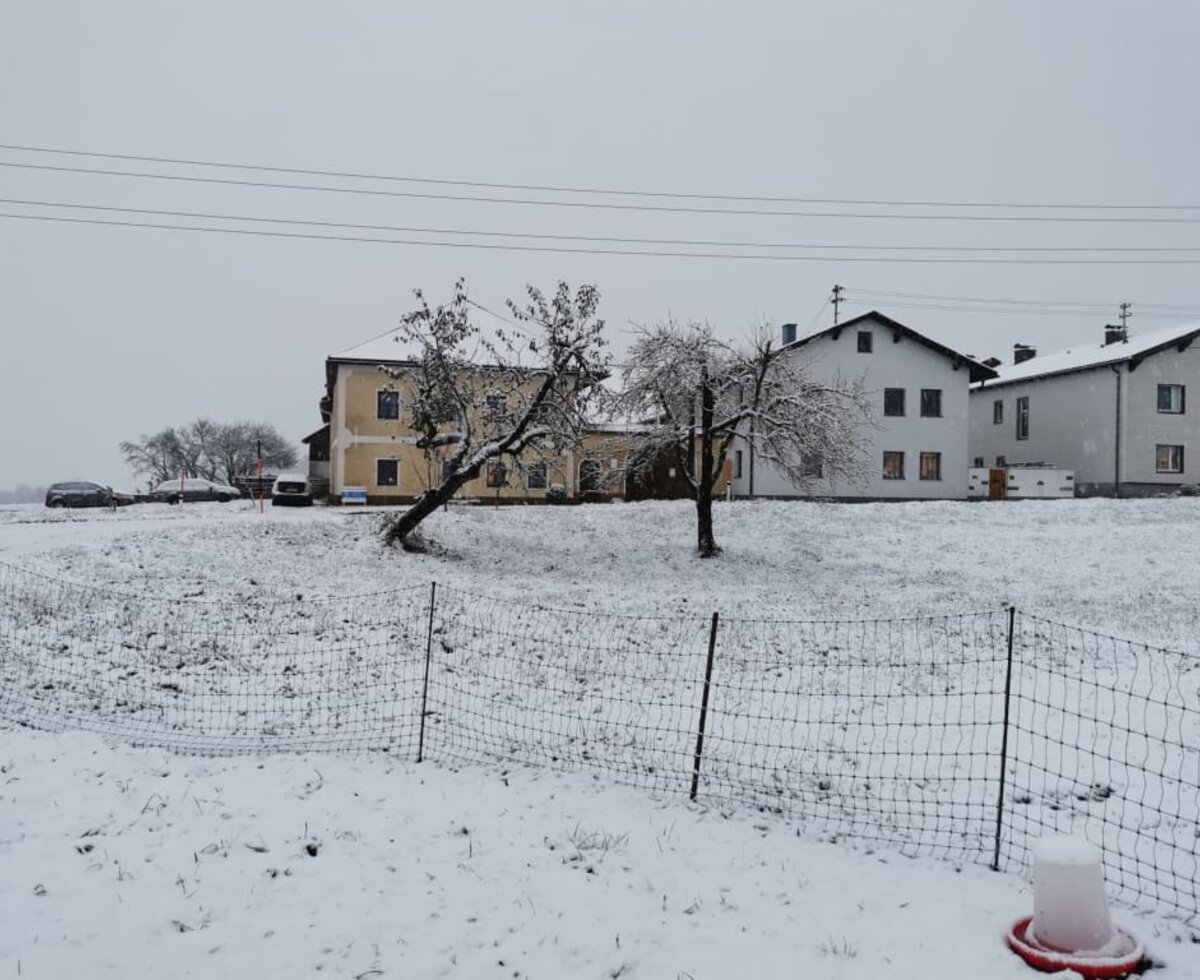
x,y
1121,566
1125,567
123,862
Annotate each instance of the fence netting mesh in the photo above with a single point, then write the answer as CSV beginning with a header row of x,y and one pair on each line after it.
x,y
889,731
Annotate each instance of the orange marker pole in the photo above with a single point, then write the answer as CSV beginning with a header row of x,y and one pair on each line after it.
x,y
261,505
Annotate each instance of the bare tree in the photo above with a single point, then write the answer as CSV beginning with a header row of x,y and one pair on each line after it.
x,y
694,394
208,449
513,395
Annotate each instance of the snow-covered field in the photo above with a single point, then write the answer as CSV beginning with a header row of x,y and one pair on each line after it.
x,y
123,862
219,578
1120,566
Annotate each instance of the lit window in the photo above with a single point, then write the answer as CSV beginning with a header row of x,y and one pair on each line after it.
x,y
893,465
1170,399
387,404
931,466
1168,459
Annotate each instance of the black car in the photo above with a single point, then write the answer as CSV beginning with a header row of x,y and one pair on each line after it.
x,y
85,495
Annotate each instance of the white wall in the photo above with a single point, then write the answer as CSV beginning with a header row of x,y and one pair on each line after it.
x,y
1073,421
1145,427
902,363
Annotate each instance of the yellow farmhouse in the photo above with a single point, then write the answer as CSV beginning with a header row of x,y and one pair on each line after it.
x,y
371,453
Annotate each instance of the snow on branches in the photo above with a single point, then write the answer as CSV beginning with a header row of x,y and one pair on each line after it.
x,y
694,394
520,393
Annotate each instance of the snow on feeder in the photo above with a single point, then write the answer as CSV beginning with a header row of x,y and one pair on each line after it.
x,y
1070,928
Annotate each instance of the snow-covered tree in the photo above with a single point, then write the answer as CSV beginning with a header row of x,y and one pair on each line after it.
x,y
694,393
516,395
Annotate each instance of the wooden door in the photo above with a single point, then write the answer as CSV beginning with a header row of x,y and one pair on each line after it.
x,y
997,484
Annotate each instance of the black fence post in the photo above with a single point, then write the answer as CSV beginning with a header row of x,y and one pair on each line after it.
x,y
712,645
1012,617
425,680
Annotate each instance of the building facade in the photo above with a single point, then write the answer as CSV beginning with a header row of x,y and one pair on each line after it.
x,y
915,444
1116,413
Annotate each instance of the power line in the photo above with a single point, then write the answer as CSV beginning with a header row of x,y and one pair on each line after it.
x,y
1091,314
596,205
1100,306
561,189
510,247
711,243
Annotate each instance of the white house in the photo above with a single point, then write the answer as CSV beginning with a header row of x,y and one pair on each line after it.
x,y
916,446
1116,413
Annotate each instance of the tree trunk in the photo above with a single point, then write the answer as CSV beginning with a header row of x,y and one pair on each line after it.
x,y
706,544
398,528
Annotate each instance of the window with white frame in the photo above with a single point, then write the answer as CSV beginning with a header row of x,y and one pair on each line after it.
x,y
1023,417
535,476
893,465
387,404
1168,459
1170,399
387,472
497,474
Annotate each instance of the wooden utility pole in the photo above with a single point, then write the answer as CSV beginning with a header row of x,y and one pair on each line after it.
x,y
837,301
1126,313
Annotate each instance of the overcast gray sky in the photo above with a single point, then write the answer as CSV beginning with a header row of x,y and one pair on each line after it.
x,y
107,333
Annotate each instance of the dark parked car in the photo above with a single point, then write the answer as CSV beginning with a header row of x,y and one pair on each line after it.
x,y
192,489
85,495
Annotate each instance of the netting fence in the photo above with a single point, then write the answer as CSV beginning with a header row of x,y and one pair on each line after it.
x,y
966,736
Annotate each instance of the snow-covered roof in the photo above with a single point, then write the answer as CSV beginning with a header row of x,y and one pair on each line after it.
x,y
979,372
386,347
1087,356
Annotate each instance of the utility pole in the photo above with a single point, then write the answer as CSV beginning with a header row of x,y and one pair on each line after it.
x,y
837,301
1125,315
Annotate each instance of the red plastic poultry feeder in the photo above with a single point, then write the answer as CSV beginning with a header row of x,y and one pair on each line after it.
x,y
1125,958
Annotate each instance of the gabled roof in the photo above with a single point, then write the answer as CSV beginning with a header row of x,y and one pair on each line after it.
x,y
979,372
1086,357
388,347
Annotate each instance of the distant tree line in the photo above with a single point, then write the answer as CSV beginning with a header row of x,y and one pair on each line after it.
x,y
219,451
23,494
